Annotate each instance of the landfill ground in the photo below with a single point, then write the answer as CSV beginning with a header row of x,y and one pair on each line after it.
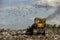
x,y
7,34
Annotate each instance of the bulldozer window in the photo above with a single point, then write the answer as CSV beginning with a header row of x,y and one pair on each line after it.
x,y
40,21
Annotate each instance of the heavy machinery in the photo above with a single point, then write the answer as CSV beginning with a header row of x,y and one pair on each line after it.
x,y
38,27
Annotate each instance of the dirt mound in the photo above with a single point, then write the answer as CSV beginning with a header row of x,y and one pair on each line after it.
x,y
7,34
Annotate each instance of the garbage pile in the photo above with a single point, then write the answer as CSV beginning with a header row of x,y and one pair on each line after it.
x,y
7,34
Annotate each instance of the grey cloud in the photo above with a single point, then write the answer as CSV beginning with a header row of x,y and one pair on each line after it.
x,y
47,3
55,16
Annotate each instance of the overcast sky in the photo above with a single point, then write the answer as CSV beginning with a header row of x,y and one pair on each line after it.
x,y
17,14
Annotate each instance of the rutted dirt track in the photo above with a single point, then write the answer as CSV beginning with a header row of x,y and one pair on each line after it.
x,y
7,34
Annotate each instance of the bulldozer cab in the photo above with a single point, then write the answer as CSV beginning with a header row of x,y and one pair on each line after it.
x,y
40,22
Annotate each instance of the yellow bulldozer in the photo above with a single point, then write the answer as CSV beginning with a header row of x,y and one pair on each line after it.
x,y
38,27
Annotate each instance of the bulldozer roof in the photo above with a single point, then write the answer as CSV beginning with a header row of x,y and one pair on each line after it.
x,y
40,18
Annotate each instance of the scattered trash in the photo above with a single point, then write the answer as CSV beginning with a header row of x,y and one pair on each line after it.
x,y
19,35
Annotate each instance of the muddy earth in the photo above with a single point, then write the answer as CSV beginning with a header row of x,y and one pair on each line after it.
x,y
7,34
